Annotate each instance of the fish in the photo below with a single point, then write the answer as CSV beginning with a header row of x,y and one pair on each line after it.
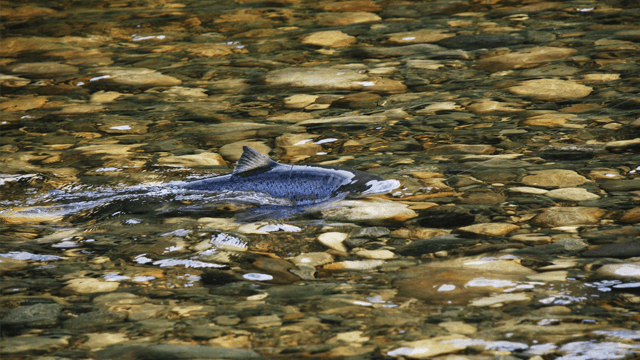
x,y
297,184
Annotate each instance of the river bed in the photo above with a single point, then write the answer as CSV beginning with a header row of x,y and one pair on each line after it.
x,y
513,127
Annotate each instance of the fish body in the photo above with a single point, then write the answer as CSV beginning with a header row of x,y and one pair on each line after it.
x,y
299,184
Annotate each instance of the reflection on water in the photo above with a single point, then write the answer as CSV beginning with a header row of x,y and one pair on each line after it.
x,y
511,125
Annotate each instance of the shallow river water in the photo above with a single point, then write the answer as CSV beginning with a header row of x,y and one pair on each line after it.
x,y
513,127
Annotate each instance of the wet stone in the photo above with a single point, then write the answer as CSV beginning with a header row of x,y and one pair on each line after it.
x,y
373,213
621,185
569,152
279,269
97,341
631,216
43,70
375,254
629,272
568,216
140,77
263,321
461,280
23,103
333,240
94,320
32,315
461,149
554,178
432,245
526,58
571,194
417,37
10,81
551,89
617,250
32,343
347,18
484,41
332,38
90,286
442,217
489,229
622,145
564,246
312,259
371,232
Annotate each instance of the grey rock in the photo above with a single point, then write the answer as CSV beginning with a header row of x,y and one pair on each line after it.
x,y
429,51
32,315
570,152
616,250
94,320
621,185
439,243
564,246
371,232
443,217
485,41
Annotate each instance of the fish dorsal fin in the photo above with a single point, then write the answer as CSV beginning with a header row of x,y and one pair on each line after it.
x,y
252,160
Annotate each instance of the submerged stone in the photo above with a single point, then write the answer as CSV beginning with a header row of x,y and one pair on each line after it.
x,y
461,280
173,351
617,250
32,315
525,58
554,178
332,38
568,216
418,36
369,212
551,89
136,77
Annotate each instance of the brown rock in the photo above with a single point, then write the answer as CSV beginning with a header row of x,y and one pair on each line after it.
x,y
23,103
418,37
347,18
351,6
568,216
490,107
16,45
332,38
279,269
27,12
363,100
331,79
461,149
631,216
482,198
551,89
12,81
525,58
138,77
554,178
194,160
459,281
548,120
490,229
43,70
